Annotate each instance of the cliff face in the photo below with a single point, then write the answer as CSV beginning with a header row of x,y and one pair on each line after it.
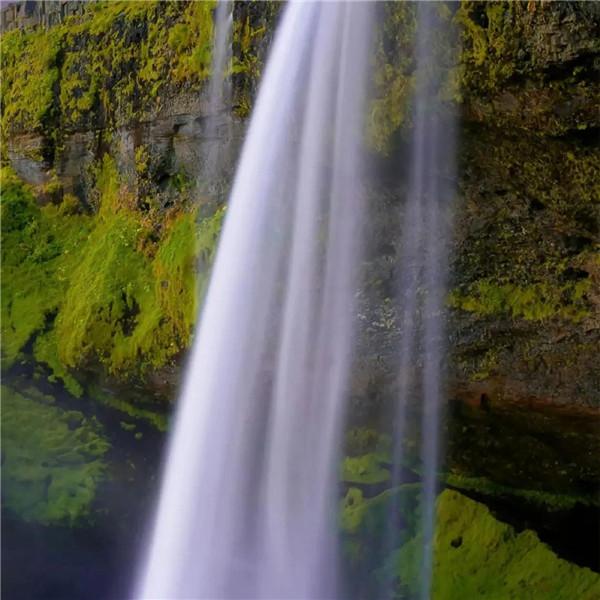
x,y
525,266
117,78
105,119
109,226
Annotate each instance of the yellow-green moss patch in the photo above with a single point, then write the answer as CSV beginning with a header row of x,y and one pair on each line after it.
x,y
477,556
120,286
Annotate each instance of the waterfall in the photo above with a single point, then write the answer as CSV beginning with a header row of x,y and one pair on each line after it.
x,y
219,90
422,283
249,488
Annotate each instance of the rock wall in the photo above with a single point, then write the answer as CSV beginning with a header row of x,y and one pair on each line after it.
x,y
40,13
127,80
525,313
104,127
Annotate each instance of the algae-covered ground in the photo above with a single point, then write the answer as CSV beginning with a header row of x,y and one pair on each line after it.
x,y
52,459
77,483
475,554
484,543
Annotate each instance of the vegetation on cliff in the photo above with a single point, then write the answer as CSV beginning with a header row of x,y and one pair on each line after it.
x,y
30,74
526,253
119,62
112,276
111,279
529,65
118,285
116,63
39,251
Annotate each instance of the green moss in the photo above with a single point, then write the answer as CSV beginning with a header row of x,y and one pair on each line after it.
x,y
39,251
246,64
154,418
142,160
120,286
30,72
45,351
108,285
368,457
192,42
476,556
531,217
365,527
394,72
361,440
366,469
105,66
132,302
119,61
393,76
368,516
104,76
536,302
496,60
507,71
52,459
489,43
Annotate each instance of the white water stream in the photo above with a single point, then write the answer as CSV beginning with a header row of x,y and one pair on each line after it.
x,y
247,504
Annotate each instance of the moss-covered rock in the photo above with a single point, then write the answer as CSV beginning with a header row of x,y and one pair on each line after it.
x,y
526,65
477,556
30,75
39,248
530,65
113,99
119,62
118,286
52,459
525,272
111,275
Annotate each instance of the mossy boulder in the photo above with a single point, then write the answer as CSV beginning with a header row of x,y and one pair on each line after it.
x,y
477,556
52,459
